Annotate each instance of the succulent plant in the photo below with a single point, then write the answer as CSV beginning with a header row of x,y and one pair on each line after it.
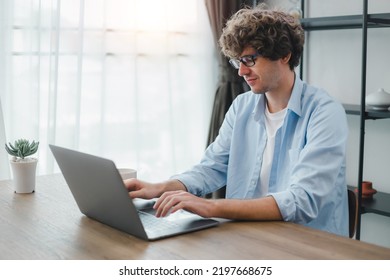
x,y
22,148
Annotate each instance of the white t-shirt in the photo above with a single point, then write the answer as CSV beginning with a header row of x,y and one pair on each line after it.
x,y
273,121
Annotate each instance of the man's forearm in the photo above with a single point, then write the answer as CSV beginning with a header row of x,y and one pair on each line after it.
x,y
264,208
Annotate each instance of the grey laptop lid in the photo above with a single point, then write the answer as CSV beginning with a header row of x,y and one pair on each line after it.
x,y
100,194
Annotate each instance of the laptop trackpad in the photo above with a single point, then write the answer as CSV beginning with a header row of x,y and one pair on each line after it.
x,y
172,217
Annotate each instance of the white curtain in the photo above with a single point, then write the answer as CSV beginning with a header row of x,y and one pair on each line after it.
x,y
129,80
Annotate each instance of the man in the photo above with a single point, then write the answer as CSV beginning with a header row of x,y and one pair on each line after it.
x,y
281,148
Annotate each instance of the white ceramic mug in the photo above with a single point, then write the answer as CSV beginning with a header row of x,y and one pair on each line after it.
x,y
127,173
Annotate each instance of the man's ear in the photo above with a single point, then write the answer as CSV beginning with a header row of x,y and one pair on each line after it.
x,y
286,59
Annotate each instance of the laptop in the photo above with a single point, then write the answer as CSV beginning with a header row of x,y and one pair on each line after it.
x,y
100,194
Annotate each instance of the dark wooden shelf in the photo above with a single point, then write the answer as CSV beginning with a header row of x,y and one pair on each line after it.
x,y
379,204
370,114
346,22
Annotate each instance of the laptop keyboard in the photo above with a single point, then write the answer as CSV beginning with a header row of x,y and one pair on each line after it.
x,y
152,223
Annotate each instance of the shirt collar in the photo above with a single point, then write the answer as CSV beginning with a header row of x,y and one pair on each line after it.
x,y
294,104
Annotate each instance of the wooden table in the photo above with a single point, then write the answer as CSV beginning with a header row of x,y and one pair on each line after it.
x,y
48,225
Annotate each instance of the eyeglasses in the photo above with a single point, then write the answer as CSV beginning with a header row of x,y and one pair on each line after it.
x,y
247,60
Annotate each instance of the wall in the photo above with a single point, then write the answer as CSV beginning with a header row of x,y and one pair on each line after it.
x,y
333,61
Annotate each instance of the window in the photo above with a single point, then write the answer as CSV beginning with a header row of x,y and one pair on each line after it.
x,y
130,80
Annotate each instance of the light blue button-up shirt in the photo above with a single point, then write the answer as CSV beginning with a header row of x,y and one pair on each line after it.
x,y
307,178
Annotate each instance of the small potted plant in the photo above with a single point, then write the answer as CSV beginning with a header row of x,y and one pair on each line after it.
x,y
23,167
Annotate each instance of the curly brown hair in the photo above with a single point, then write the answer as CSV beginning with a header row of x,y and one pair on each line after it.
x,y
273,33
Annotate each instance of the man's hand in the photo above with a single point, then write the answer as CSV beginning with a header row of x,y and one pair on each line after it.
x,y
173,201
141,189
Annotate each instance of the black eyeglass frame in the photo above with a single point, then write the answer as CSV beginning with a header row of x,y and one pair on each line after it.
x,y
247,60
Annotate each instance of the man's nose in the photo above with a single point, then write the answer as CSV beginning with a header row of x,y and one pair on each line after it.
x,y
243,70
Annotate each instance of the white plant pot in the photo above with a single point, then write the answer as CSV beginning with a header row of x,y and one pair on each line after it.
x,y
23,172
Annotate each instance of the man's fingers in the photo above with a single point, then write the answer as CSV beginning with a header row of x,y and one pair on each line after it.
x,y
131,184
169,202
135,194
